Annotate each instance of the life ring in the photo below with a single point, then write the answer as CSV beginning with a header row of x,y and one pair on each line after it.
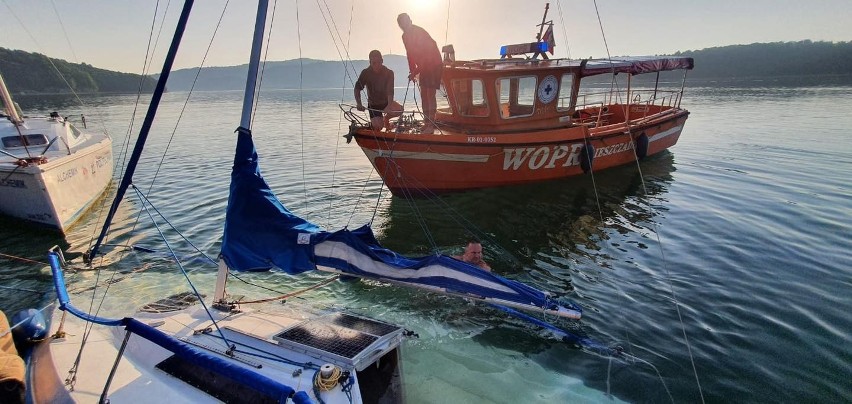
x,y
642,146
587,157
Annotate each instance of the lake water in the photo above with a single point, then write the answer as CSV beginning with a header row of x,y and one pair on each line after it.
x,y
746,223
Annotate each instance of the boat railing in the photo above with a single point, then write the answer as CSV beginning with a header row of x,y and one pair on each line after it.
x,y
179,348
406,119
641,102
592,114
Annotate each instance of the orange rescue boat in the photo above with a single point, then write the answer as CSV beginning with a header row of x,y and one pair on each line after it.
x,y
517,120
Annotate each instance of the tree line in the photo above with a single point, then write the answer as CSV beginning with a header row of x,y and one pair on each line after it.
x,y
775,59
34,73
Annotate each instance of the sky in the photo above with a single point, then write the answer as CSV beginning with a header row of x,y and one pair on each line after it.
x,y
114,34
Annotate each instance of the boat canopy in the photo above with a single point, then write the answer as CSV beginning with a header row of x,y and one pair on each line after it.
x,y
636,65
583,67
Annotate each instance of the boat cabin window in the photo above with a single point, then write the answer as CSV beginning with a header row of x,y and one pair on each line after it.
x,y
516,96
470,97
565,92
25,140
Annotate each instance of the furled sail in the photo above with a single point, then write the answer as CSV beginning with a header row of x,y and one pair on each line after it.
x,y
260,233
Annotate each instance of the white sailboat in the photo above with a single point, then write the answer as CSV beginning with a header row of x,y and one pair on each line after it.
x,y
51,171
185,348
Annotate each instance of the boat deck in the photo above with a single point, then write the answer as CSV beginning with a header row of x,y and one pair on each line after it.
x,y
147,372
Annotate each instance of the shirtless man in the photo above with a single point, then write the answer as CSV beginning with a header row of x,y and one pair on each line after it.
x,y
378,80
473,255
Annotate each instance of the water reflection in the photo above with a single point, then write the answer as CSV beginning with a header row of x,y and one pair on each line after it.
x,y
518,224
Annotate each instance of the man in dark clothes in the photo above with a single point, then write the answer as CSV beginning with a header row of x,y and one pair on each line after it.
x,y
379,82
423,59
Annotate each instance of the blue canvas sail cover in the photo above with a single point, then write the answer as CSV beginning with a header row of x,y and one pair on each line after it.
x,y
261,234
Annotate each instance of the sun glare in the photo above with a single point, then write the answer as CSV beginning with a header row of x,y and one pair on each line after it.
x,y
424,6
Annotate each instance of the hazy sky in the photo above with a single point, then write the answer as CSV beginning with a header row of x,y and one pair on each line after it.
x,y
113,34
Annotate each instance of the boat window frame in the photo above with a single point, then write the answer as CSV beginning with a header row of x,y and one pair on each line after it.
x,y
483,109
29,140
504,113
569,89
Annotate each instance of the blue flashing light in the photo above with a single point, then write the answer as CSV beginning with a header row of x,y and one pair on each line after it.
x,y
523,48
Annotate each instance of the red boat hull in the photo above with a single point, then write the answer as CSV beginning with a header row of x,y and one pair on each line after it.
x,y
453,161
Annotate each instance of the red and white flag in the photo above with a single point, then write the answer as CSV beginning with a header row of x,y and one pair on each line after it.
x,y
548,37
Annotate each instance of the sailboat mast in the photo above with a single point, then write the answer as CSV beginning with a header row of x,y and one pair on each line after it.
x,y
245,124
254,63
11,111
127,179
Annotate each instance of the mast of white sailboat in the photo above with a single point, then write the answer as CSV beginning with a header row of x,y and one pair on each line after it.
x,y
245,119
11,111
127,179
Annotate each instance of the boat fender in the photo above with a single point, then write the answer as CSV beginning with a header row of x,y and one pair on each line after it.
x,y
642,146
587,156
32,327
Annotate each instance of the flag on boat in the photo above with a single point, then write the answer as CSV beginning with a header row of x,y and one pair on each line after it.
x,y
549,39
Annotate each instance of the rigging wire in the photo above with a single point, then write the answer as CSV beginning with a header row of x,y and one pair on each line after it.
x,y
669,280
347,62
291,294
301,104
340,119
447,28
146,65
180,266
183,108
88,327
660,244
260,74
564,31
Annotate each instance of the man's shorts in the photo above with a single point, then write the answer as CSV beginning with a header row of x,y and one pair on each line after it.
x,y
377,110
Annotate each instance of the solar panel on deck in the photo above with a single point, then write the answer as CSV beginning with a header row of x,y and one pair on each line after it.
x,y
343,339
329,338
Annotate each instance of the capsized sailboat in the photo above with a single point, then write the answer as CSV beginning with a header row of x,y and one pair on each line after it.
x,y
186,349
51,171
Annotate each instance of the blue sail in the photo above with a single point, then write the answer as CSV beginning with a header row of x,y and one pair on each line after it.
x,y
261,233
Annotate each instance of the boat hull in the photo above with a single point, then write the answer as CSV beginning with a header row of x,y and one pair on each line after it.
x,y
57,193
413,164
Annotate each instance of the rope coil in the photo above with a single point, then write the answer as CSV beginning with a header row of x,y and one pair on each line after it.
x,y
326,377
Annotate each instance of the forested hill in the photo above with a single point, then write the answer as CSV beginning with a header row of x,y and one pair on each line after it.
x,y
803,58
27,73
32,73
